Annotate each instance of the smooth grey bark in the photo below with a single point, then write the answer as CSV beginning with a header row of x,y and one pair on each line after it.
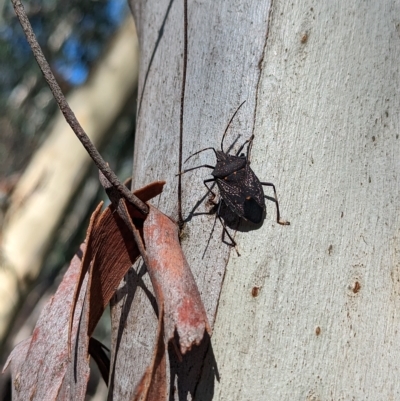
x,y
308,311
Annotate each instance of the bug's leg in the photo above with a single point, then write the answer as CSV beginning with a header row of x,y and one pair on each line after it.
x,y
194,168
278,215
209,189
225,231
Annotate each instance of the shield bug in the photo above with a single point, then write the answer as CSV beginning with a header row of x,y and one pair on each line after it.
x,y
239,187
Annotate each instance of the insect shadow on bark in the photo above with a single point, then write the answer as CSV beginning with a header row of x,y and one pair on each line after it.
x,y
240,190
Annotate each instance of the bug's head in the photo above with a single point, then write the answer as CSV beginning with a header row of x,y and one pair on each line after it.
x,y
221,156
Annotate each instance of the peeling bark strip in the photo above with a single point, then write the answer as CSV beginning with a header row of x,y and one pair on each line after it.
x,y
173,281
39,364
154,385
178,299
170,274
76,377
110,252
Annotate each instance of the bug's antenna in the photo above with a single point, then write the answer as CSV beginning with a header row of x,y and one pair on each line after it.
x,y
194,154
226,129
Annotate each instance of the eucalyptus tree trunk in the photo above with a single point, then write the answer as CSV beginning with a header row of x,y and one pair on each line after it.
x,y
308,311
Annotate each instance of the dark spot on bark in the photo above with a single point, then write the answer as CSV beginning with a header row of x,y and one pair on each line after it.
x,y
356,287
304,38
255,291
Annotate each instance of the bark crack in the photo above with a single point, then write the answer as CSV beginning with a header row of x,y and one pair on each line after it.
x,y
260,63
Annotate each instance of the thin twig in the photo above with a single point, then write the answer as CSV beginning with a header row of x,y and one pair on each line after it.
x,y
185,57
69,114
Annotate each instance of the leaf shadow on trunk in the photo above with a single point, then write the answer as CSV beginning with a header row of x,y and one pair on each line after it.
x,y
196,371
133,281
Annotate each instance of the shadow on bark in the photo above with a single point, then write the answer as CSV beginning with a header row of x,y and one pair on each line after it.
x,y
133,282
195,374
153,53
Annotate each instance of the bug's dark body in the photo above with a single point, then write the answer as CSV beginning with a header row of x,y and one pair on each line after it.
x,y
239,187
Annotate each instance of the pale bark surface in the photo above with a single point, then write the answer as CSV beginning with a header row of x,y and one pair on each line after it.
x,y
329,113
308,311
